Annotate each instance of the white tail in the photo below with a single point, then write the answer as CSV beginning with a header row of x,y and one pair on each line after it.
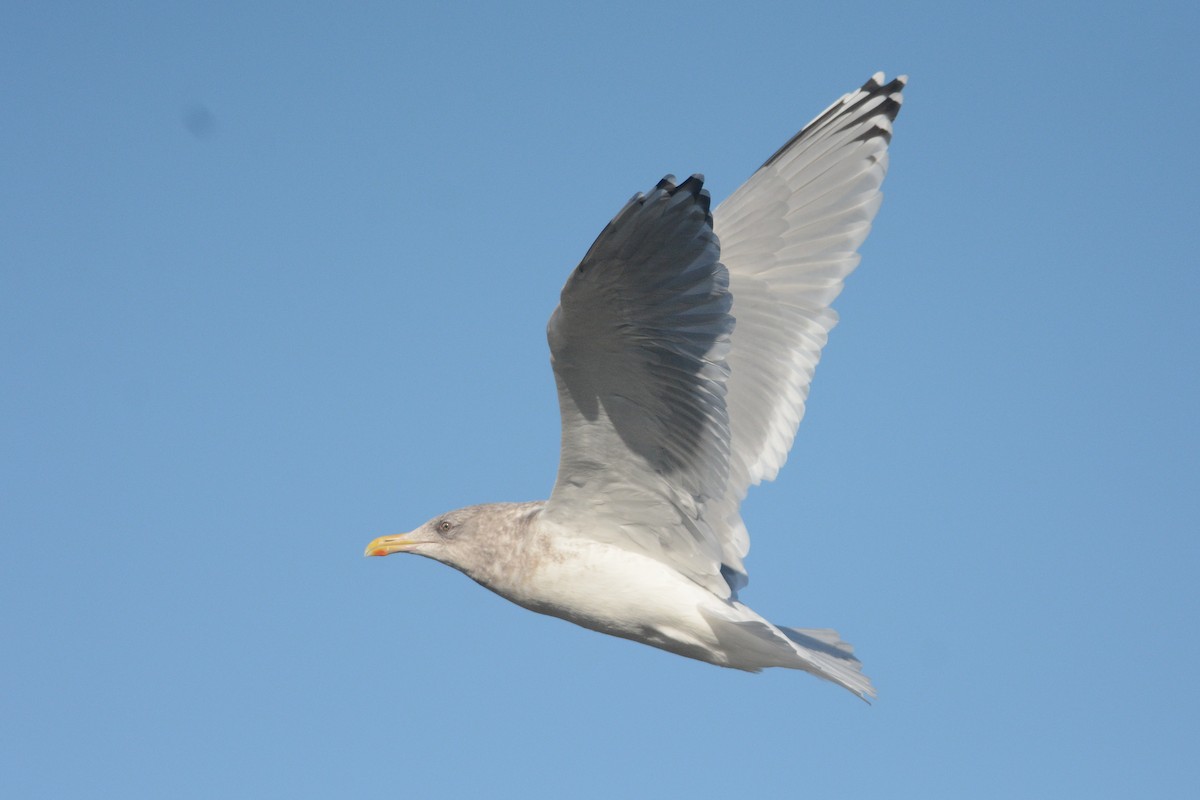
x,y
830,658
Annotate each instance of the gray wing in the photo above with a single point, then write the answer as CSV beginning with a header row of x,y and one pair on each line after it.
x,y
669,411
789,237
638,345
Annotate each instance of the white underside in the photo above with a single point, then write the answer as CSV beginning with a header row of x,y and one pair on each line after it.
x,y
623,593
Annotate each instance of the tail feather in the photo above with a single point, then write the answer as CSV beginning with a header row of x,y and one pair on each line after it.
x,y
831,658
826,640
747,641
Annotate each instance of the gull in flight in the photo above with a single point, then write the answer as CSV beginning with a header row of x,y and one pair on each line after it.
x,y
683,347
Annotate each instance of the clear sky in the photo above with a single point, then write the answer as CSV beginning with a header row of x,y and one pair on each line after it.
x,y
274,281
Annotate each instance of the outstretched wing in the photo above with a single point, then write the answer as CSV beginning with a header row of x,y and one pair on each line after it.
x,y
638,346
789,237
670,411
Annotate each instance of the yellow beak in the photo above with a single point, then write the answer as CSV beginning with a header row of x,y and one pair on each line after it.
x,y
386,545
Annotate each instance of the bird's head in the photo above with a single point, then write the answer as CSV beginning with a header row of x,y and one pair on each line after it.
x,y
436,539
472,539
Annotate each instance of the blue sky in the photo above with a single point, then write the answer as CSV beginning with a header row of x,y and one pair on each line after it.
x,y
274,281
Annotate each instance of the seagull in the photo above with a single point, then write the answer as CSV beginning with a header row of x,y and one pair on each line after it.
x,y
683,347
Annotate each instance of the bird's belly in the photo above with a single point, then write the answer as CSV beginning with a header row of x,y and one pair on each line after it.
x,y
622,593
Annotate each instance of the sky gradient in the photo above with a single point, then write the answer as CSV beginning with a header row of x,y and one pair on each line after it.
x,y
274,281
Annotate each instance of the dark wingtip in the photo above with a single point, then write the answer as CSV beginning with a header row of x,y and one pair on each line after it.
x,y
889,107
875,84
694,186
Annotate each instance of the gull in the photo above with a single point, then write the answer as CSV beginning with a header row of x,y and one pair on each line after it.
x,y
683,347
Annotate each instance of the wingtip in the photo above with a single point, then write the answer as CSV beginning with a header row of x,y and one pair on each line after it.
x,y
879,81
894,89
694,186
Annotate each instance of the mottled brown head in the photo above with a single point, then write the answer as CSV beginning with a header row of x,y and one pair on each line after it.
x,y
475,540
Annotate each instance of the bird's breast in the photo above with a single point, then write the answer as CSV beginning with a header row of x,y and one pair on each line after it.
x,y
613,590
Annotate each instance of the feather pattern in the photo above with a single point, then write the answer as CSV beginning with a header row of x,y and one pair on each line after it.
x,y
638,346
685,341
789,237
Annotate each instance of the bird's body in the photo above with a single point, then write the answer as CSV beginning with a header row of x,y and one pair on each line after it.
x,y
605,587
683,348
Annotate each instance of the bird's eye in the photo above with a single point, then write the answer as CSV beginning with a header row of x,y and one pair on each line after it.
x,y
444,526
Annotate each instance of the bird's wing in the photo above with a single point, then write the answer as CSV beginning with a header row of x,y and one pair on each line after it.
x,y
638,344
789,237
669,411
